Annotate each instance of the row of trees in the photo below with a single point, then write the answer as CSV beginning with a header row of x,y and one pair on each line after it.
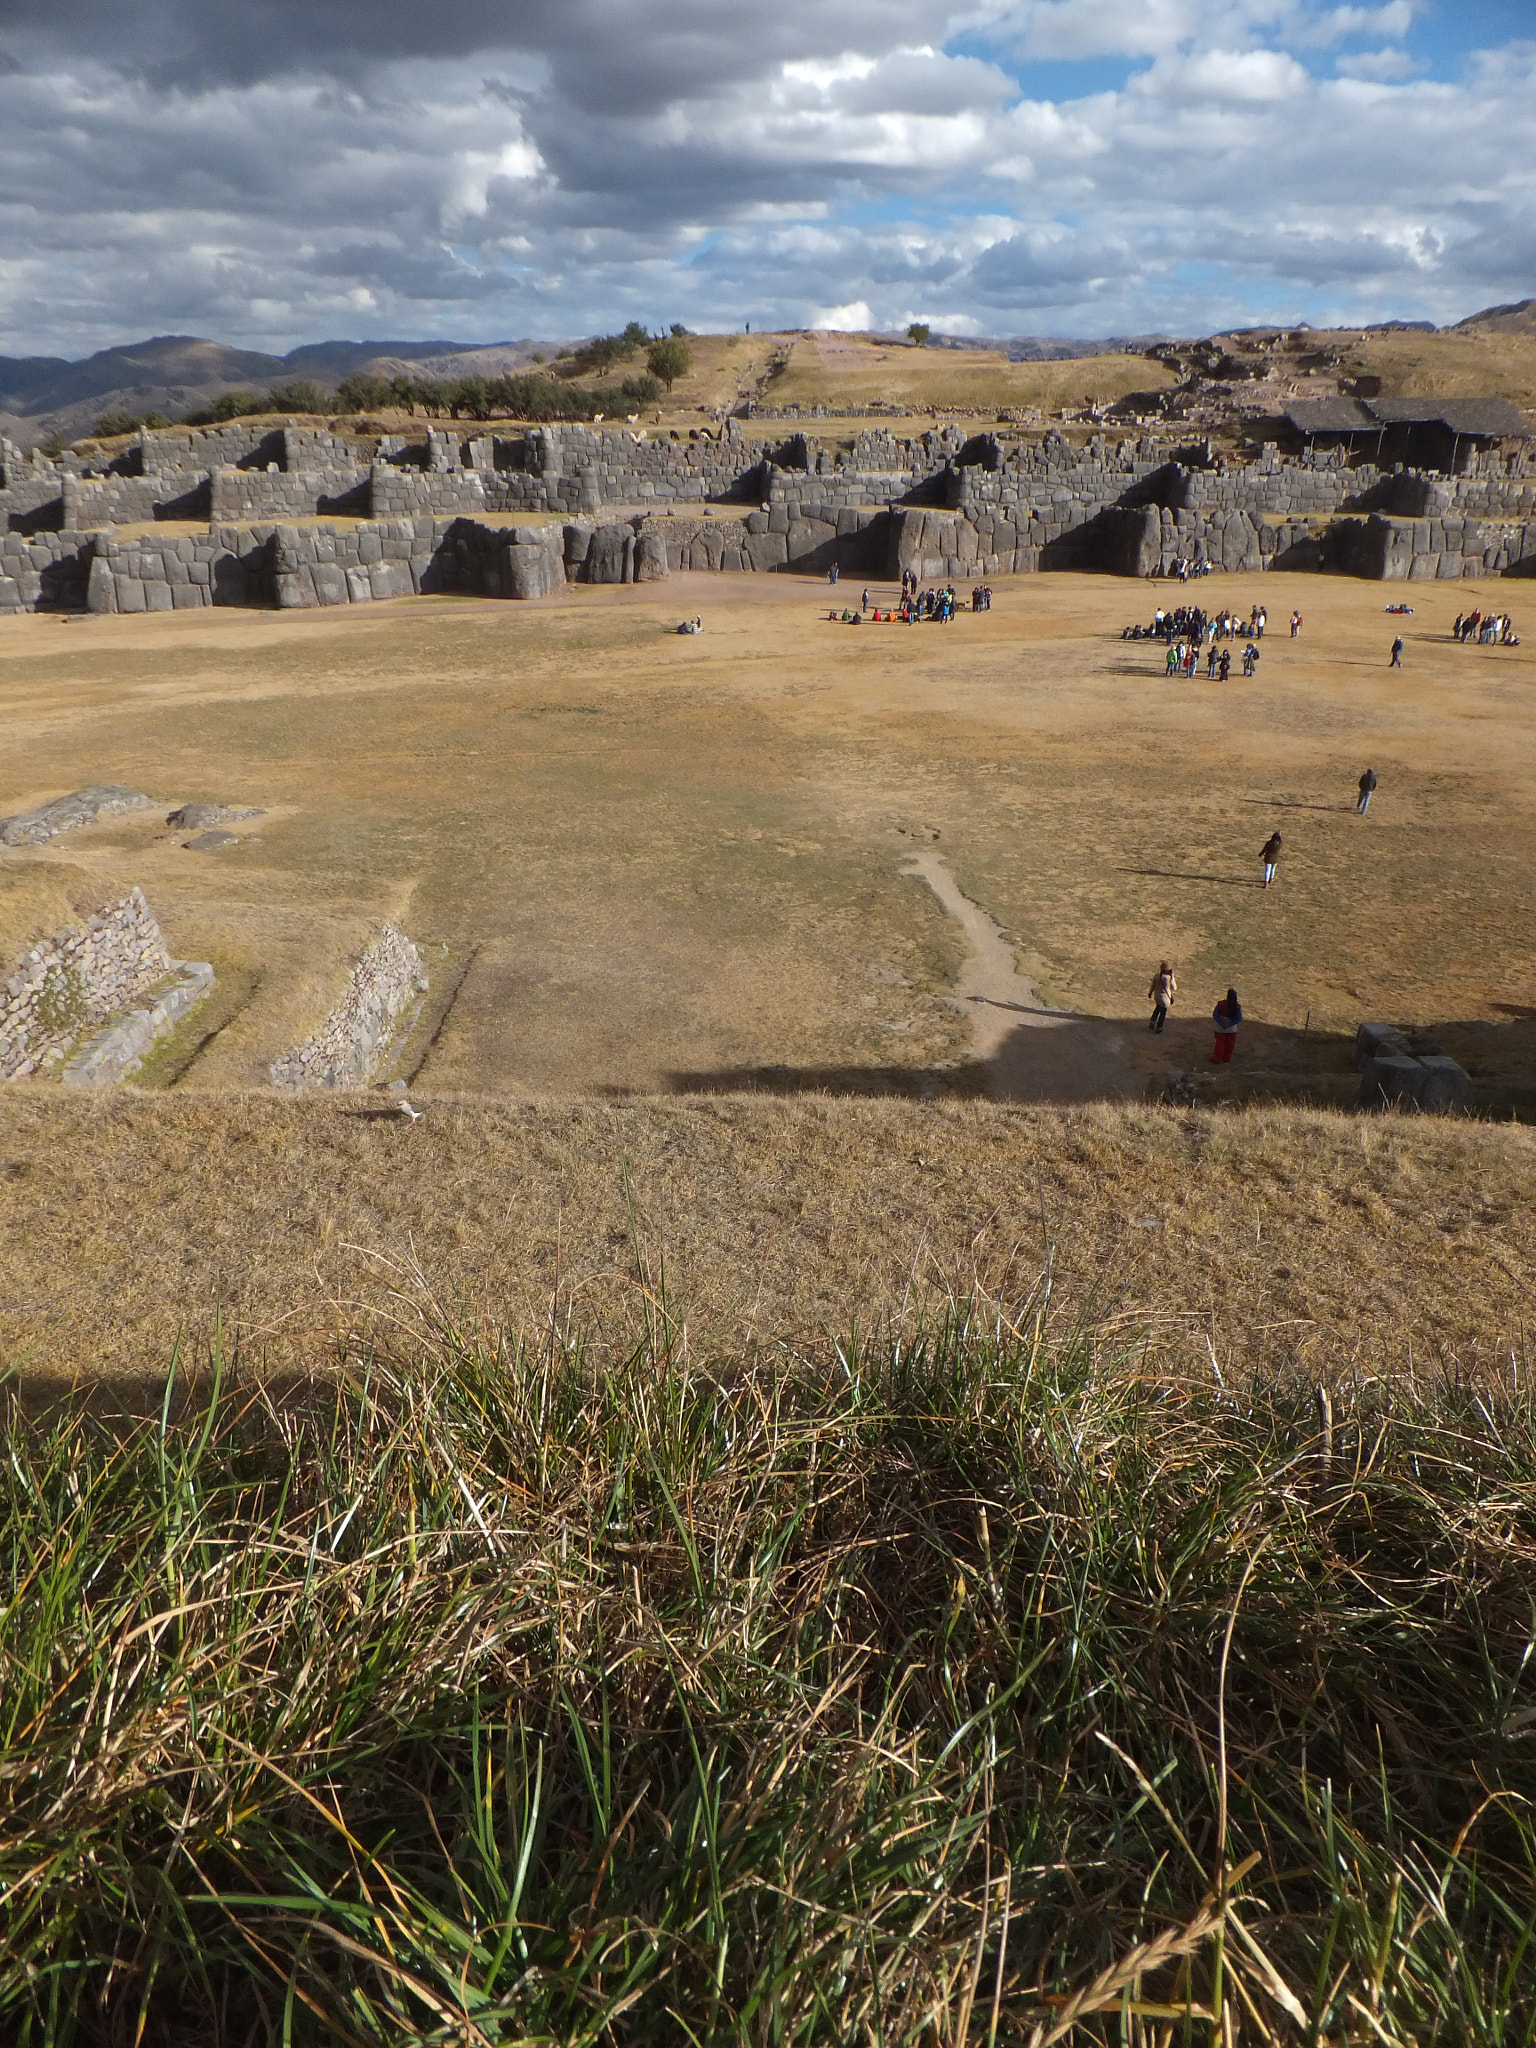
x,y
550,393
529,395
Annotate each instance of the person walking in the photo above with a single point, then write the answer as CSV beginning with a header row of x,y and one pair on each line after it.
x,y
1225,669
1397,653
1367,790
1269,853
1226,1017
1161,994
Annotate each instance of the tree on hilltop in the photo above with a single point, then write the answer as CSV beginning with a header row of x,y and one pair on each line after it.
x,y
669,359
918,333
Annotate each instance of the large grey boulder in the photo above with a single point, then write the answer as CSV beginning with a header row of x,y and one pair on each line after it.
x,y
1434,1084
101,586
1447,1087
611,556
531,569
650,557
1391,1080
1133,540
578,540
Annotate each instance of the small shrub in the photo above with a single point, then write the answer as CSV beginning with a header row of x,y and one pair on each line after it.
x,y
229,405
112,424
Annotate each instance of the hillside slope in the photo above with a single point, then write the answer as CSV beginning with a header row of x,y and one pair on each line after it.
x,y
1264,1239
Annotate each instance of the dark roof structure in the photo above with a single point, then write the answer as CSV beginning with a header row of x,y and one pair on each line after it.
x,y
1492,419
1330,416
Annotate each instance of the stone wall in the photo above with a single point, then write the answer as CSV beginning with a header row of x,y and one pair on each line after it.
x,y
120,1051
79,977
44,572
184,572
417,493
346,1050
944,503
239,495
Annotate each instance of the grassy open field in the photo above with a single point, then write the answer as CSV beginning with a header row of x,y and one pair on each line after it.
x,y
683,863
684,866
853,369
1460,363
990,1682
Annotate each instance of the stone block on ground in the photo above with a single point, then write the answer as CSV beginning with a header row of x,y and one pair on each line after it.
x,y
1447,1087
1392,1080
1372,1039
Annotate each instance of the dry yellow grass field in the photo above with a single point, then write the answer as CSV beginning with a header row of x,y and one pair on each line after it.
x,y
683,865
852,369
1265,1239
1462,363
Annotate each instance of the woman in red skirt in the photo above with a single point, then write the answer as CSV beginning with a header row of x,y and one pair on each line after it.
x,y
1226,1017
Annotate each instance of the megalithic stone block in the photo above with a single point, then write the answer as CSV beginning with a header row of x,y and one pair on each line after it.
x,y
1392,1079
1447,1088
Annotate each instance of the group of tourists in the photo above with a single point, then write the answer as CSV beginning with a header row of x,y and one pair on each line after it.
x,y
916,607
1189,623
1488,629
1186,566
929,604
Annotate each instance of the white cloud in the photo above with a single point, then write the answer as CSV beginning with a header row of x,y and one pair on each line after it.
x,y
854,318
497,170
1382,65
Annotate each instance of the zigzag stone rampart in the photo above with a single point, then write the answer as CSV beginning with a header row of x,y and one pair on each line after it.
x,y
620,503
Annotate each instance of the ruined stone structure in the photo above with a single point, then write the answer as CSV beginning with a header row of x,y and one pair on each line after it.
x,y
346,1050
621,503
77,978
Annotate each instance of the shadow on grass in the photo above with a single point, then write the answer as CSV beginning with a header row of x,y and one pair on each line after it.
x,y
1292,803
1073,1060
1186,875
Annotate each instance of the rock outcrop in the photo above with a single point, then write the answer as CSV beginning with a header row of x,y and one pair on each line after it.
x,y
65,813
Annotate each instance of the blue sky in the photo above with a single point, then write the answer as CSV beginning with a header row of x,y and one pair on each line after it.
x,y
491,169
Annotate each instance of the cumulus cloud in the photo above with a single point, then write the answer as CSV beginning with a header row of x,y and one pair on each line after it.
x,y
493,168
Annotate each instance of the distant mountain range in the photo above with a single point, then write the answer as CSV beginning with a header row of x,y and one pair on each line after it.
x,y
174,372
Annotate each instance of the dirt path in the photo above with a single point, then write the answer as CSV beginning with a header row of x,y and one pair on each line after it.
x,y
1032,1053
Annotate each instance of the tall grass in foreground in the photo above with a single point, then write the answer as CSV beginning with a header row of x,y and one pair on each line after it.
x,y
987,1687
